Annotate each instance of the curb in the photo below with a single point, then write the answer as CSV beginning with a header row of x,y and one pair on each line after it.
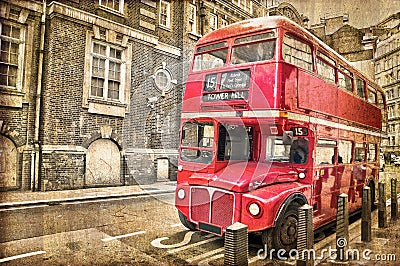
x,y
51,202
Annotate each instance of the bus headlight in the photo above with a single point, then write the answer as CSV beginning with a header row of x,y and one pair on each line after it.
x,y
302,175
181,194
254,209
180,168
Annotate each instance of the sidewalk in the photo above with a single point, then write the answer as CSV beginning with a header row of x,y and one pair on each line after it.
x,y
383,249
27,198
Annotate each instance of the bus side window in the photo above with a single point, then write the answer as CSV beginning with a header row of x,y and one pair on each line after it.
x,y
359,153
325,151
299,151
371,152
345,149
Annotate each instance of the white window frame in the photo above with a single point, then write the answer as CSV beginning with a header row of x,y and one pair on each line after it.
x,y
168,14
103,105
102,3
213,21
107,59
21,52
193,18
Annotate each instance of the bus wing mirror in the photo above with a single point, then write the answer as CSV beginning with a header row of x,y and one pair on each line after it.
x,y
183,134
287,137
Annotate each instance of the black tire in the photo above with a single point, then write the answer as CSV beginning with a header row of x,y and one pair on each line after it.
x,y
284,235
189,225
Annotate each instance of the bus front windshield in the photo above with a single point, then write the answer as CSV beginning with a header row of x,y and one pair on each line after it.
x,y
197,142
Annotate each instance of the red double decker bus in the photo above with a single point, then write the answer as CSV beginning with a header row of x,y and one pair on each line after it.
x,y
272,119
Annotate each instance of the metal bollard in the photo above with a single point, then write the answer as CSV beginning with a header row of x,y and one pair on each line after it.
x,y
393,199
382,216
305,236
342,226
366,215
236,245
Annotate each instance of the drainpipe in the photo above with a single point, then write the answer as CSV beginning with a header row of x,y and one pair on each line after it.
x,y
36,160
202,18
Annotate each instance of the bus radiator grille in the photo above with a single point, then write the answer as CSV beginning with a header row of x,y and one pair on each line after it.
x,y
221,206
200,205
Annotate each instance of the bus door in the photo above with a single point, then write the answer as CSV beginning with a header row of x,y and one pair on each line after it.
x,y
359,175
324,180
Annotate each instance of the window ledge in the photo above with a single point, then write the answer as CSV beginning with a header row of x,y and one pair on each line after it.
x,y
164,27
97,106
194,36
11,98
112,11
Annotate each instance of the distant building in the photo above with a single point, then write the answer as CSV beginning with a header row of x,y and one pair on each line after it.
x,y
375,50
387,74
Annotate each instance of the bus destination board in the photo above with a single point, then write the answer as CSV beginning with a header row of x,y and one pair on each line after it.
x,y
225,96
235,80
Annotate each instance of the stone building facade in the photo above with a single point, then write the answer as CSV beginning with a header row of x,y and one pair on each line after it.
x,y
387,74
90,90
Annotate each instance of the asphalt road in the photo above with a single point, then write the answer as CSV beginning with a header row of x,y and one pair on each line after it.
x,y
135,231
138,231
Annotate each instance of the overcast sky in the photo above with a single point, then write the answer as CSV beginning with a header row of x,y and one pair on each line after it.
x,y
362,13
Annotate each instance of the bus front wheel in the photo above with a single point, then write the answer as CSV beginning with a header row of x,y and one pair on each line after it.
x,y
284,234
185,222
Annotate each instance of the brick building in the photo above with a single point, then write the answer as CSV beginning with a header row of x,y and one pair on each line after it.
x,y
87,88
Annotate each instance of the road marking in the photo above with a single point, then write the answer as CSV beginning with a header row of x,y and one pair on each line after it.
x,y
176,225
22,256
24,207
206,261
186,240
192,245
253,259
123,236
205,255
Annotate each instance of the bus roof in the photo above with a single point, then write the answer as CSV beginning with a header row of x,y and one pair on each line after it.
x,y
262,23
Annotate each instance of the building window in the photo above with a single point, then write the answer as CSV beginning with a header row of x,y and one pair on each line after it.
x,y
107,79
116,5
106,72
224,22
192,19
11,56
162,79
165,14
213,22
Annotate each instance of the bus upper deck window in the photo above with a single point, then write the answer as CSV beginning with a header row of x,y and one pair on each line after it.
x,y
254,48
210,56
297,52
